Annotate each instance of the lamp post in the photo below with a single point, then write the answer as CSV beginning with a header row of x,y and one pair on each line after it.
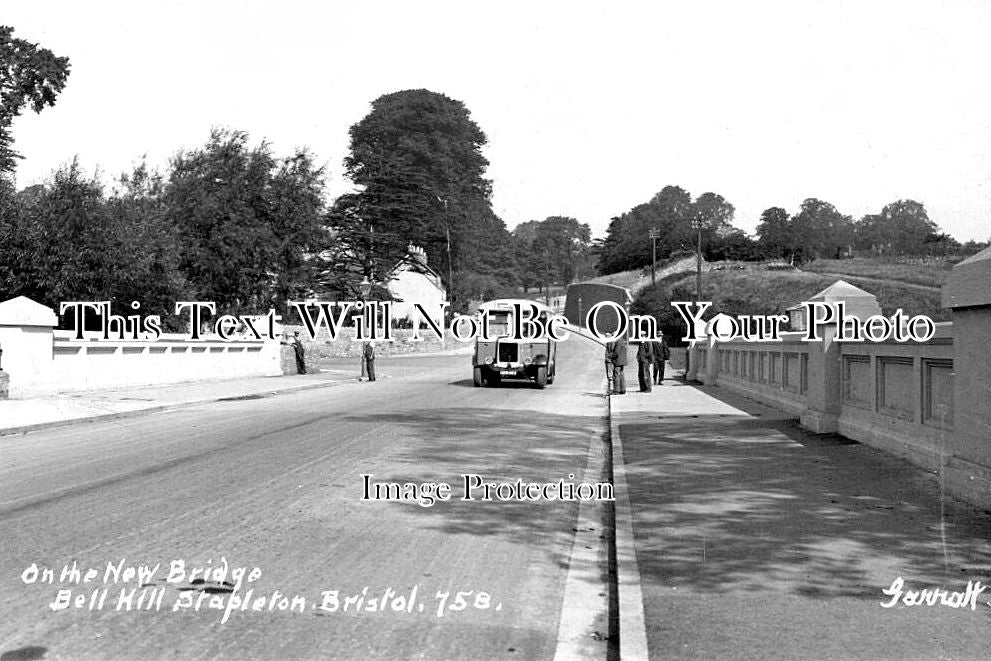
x,y
365,288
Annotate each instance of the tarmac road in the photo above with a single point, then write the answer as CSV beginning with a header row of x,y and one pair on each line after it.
x,y
275,483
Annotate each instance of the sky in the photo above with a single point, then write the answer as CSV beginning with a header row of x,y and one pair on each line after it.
x,y
589,108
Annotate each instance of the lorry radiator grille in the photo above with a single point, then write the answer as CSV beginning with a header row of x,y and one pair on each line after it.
x,y
508,353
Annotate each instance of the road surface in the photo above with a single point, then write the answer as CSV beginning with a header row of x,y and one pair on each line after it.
x,y
271,488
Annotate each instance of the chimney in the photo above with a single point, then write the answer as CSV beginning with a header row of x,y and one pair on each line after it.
x,y
417,254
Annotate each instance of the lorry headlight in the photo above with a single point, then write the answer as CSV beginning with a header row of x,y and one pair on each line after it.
x,y
488,360
527,360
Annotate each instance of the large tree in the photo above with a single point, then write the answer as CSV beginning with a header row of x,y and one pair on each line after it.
x,y
559,244
29,76
528,269
902,227
418,162
57,244
147,245
777,235
824,232
296,211
672,213
68,241
714,213
249,222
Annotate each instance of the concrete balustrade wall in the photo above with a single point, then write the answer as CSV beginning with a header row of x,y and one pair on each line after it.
x,y
927,402
88,364
891,395
899,396
773,372
39,360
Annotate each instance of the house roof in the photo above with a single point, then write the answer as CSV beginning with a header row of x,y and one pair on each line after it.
x,y
412,264
841,290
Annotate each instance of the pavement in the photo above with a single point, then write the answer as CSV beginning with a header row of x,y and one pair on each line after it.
x,y
741,536
23,415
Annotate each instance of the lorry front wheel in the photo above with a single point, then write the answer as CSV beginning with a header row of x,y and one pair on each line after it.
x,y
541,377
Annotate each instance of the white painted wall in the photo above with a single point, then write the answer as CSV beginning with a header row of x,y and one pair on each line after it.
x,y
414,287
40,360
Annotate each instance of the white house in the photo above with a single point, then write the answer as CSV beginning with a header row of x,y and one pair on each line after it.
x,y
411,281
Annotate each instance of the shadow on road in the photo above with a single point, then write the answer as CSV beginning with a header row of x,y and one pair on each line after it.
x,y
25,654
727,503
518,383
499,446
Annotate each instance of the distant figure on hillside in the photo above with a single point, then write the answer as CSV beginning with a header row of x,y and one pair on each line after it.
x,y
645,360
661,355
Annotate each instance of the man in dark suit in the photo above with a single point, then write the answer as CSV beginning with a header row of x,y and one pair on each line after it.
x,y
661,354
299,351
368,355
617,352
645,360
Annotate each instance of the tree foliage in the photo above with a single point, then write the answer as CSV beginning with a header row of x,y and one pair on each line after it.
x,y
627,244
826,232
229,223
418,162
29,76
819,230
70,241
551,251
677,219
902,228
248,221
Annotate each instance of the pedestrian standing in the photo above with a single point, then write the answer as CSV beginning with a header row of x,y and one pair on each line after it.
x,y
300,353
609,367
368,353
619,360
661,355
645,361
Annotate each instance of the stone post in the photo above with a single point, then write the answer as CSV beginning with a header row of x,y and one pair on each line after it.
x,y
712,364
967,292
824,369
823,390
692,352
26,337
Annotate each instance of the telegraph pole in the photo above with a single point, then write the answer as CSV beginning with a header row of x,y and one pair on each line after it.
x,y
655,234
450,269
